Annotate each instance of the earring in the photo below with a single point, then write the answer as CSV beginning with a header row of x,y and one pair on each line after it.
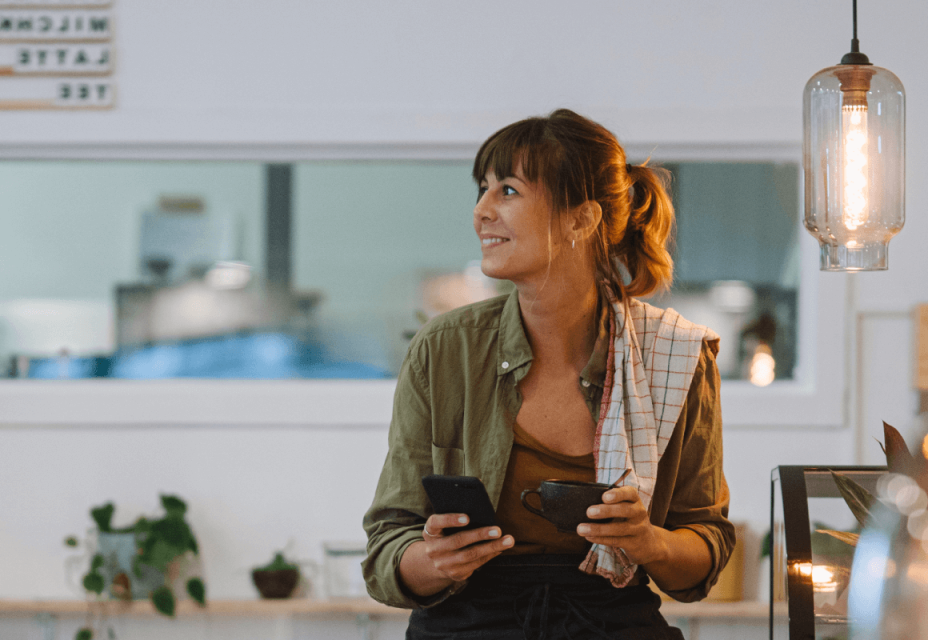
x,y
573,244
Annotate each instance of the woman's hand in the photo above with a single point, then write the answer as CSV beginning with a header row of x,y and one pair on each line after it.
x,y
675,560
627,527
441,560
457,555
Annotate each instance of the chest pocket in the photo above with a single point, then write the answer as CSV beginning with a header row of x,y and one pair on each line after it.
x,y
448,461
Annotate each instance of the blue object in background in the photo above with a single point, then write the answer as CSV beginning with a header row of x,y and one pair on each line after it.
x,y
66,367
252,356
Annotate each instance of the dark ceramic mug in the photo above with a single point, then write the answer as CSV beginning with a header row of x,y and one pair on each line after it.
x,y
564,502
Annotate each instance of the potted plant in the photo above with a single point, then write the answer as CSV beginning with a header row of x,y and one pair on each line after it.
x,y
143,560
860,501
277,579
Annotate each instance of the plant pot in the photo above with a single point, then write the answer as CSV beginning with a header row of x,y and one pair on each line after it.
x,y
277,584
120,582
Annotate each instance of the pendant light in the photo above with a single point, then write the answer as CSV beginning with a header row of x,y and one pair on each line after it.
x,y
853,157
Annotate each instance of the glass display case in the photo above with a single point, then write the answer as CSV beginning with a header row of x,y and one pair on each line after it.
x,y
813,537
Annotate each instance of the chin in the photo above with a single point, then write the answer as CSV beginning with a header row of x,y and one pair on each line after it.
x,y
492,271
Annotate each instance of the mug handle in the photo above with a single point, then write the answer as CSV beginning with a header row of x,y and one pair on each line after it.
x,y
525,503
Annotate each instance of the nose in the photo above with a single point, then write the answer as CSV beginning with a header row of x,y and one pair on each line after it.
x,y
484,209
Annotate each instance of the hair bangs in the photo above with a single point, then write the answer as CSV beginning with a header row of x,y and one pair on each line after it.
x,y
522,142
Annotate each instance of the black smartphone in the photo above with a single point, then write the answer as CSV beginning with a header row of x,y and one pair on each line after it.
x,y
460,494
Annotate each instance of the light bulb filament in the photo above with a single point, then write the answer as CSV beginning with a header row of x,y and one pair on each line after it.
x,y
854,126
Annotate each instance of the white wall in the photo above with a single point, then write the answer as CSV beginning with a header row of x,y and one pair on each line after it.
x,y
667,76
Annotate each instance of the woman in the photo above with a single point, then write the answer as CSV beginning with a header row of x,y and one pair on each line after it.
x,y
568,377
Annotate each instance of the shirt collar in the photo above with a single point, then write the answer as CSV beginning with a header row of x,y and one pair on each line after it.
x,y
595,370
515,351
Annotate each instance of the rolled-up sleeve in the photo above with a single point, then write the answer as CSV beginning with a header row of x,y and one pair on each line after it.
x,y
400,507
699,498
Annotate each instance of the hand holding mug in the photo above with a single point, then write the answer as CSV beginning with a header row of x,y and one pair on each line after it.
x,y
624,523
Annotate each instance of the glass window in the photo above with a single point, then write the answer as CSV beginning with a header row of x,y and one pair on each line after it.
x,y
131,269
737,262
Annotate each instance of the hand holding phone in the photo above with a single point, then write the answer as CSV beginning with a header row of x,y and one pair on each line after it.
x,y
452,553
460,494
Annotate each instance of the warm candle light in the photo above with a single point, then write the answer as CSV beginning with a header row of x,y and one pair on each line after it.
x,y
823,578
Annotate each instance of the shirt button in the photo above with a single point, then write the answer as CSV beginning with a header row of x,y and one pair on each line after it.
x,y
505,365
585,383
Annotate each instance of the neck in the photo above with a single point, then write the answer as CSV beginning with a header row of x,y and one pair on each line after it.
x,y
561,321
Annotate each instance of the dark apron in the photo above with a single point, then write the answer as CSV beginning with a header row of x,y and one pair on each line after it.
x,y
543,597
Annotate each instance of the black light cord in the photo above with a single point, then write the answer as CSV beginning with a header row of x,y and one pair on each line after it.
x,y
855,56
855,44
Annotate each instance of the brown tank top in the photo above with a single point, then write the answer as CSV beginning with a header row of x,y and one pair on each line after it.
x,y
529,463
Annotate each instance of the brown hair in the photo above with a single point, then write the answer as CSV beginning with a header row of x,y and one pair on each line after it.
x,y
579,160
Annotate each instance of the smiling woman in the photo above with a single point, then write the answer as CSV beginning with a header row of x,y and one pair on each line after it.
x,y
569,376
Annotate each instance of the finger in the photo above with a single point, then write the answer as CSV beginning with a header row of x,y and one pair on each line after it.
x,y
621,494
622,510
618,542
438,522
608,529
600,512
481,553
460,565
469,537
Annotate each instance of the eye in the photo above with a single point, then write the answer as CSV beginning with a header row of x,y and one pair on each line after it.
x,y
509,191
482,190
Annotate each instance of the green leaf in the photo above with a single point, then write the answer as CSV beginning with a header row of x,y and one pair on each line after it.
x,y
160,554
766,546
845,537
197,590
97,562
172,530
142,526
174,506
163,599
279,564
84,633
858,499
898,457
93,582
70,541
103,516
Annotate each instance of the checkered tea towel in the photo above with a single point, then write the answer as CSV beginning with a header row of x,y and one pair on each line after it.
x,y
651,364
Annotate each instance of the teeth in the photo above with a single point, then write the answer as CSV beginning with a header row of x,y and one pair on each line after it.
x,y
488,241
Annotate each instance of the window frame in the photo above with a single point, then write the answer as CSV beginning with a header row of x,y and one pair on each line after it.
x,y
814,399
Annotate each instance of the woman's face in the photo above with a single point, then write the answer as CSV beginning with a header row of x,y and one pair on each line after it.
x,y
512,219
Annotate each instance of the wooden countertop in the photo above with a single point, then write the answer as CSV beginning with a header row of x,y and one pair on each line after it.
x,y
330,607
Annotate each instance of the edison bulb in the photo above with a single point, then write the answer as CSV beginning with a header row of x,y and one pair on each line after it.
x,y
854,141
853,163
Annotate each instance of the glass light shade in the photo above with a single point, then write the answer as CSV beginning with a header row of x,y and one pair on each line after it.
x,y
853,159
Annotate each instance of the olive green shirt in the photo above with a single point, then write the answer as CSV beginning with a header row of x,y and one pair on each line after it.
x,y
456,400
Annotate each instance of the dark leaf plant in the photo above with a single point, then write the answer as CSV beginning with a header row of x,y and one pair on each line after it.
x,y
159,542
860,501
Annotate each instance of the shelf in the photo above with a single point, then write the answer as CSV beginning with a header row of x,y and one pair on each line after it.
x,y
332,607
185,608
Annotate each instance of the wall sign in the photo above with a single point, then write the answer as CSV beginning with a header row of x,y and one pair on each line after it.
x,y
56,54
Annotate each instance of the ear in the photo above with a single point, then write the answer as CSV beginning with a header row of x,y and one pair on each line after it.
x,y
586,219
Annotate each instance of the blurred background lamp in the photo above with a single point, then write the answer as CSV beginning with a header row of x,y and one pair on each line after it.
x,y
853,158
229,275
